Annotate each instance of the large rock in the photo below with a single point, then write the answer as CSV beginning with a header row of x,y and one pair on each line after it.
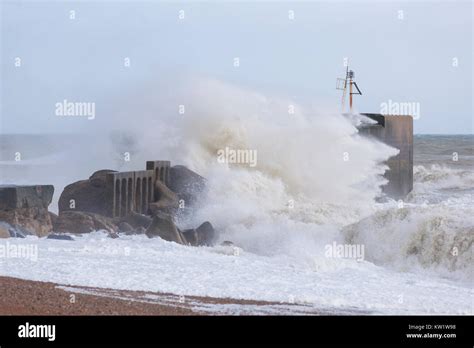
x,y
35,221
203,235
186,184
164,227
89,195
190,236
83,222
25,208
53,217
124,227
30,196
135,220
5,230
206,234
135,231
166,201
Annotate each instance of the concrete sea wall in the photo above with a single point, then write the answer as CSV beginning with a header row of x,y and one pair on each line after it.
x,y
396,131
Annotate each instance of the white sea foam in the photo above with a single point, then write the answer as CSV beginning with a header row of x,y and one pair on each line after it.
x,y
139,263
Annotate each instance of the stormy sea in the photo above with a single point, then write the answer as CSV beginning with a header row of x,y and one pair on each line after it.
x,y
282,215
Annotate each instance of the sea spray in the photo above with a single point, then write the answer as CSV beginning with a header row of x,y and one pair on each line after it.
x,y
314,172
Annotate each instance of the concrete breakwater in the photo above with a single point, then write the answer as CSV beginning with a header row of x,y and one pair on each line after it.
x,y
396,131
134,202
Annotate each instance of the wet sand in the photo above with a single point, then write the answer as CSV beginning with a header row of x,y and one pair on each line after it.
x,y
25,297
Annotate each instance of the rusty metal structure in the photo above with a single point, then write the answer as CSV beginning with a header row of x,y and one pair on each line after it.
x,y
342,84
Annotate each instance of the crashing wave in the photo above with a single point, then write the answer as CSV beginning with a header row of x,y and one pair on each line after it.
x,y
437,238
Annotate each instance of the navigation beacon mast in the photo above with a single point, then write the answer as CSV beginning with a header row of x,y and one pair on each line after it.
x,y
342,85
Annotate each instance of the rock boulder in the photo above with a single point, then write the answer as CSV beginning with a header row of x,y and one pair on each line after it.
x,y
186,183
83,222
16,197
5,230
164,227
89,195
203,235
124,227
135,220
25,208
29,220
166,201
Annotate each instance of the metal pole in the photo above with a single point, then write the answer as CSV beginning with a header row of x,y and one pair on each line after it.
x,y
350,94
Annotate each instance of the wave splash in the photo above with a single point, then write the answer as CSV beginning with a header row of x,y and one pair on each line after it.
x,y
315,182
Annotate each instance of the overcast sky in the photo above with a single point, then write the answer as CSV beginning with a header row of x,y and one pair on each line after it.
x,y
401,51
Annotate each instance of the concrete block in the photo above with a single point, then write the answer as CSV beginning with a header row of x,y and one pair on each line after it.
x,y
396,131
32,196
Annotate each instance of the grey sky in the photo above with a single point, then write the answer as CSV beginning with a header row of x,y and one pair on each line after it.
x,y
404,60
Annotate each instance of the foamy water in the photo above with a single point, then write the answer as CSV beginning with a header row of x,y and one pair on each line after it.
x,y
315,183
